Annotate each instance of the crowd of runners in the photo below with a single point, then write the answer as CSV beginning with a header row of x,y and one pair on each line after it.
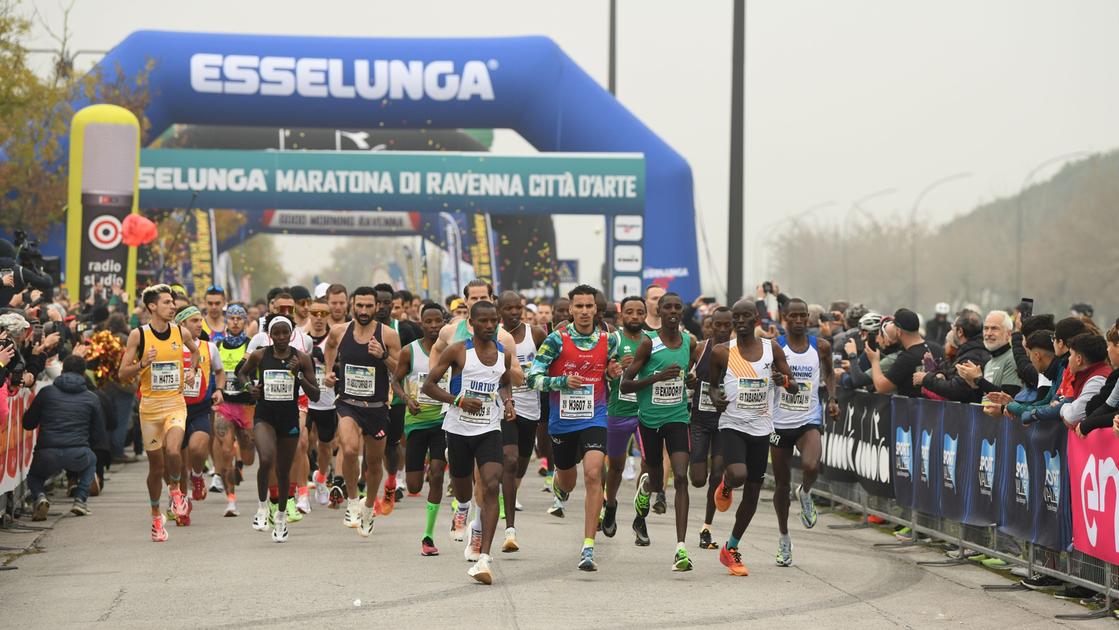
x,y
347,398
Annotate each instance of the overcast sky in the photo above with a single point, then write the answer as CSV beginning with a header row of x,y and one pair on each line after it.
x,y
844,97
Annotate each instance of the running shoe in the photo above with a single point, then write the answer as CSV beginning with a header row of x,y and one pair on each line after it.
x,y
353,513
280,530
640,532
337,494
560,494
549,481
388,503
724,496
427,547
216,484
260,519
510,545
42,507
705,540
517,505
586,561
1074,593
303,504
630,471
784,551
473,549
198,488
399,494
366,522
458,525
231,508
293,512
322,492
481,570
993,563
159,531
904,534
732,560
557,508
660,503
543,470
808,514
179,504
183,521
1039,582
682,562
610,521
641,499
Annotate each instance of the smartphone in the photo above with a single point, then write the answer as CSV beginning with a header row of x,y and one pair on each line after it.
x,y
37,332
707,300
1026,307
836,360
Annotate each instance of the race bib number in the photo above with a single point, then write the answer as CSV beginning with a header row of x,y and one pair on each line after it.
x,y
165,376
360,380
668,392
424,399
279,386
630,397
753,394
705,403
483,415
523,388
195,388
800,401
320,376
231,387
577,404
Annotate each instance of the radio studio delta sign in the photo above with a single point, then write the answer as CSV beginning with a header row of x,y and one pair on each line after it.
x,y
596,183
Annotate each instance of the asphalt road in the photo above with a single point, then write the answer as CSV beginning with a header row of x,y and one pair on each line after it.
x,y
102,570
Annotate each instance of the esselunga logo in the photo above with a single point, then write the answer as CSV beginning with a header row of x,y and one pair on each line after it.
x,y
320,77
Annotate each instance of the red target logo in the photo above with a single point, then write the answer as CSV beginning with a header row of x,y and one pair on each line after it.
x,y
105,232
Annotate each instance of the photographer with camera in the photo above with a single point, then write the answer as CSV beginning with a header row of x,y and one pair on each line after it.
x,y
21,269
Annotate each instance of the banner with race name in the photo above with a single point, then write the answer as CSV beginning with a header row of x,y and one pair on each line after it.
x,y
856,446
1093,463
16,445
1030,465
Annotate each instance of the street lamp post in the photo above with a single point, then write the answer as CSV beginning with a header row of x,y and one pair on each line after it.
x,y
913,230
1021,192
847,237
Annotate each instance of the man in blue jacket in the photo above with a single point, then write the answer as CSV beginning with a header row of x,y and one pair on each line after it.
x,y
69,419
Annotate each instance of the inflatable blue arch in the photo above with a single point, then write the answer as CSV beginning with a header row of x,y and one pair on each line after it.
x,y
523,83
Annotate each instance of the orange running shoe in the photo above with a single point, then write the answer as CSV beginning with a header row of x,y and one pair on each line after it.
x,y
179,505
198,488
388,503
159,532
732,560
724,496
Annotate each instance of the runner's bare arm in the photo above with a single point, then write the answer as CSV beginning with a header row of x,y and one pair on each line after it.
x,y
442,343
504,389
190,344
824,350
716,371
248,368
130,366
630,384
219,370
392,347
517,376
403,367
330,351
781,366
453,357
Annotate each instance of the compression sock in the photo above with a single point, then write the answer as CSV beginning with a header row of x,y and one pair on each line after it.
x,y
432,513
274,494
732,542
588,542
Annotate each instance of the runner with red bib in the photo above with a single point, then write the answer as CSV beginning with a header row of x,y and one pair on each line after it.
x,y
573,365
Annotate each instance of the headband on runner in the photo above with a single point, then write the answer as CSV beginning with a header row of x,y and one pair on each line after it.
x,y
278,320
187,313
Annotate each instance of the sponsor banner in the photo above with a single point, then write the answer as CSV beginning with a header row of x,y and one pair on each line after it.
x,y
857,446
1048,446
981,460
1018,473
1093,464
340,221
104,256
201,254
903,430
929,441
956,446
16,445
394,181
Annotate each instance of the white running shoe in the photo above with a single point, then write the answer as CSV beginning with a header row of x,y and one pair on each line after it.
x,y
473,549
260,519
322,491
510,545
784,551
216,484
518,506
280,528
231,509
303,504
353,513
366,521
481,569
630,471
458,526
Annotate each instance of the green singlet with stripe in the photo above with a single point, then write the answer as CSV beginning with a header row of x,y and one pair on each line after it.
x,y
622,405
431,411
664,401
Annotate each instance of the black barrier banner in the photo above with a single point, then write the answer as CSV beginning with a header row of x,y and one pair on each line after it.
x,y
857,445
1017,476
904,427
982,463
956,446
838,461
1047,451
929,452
